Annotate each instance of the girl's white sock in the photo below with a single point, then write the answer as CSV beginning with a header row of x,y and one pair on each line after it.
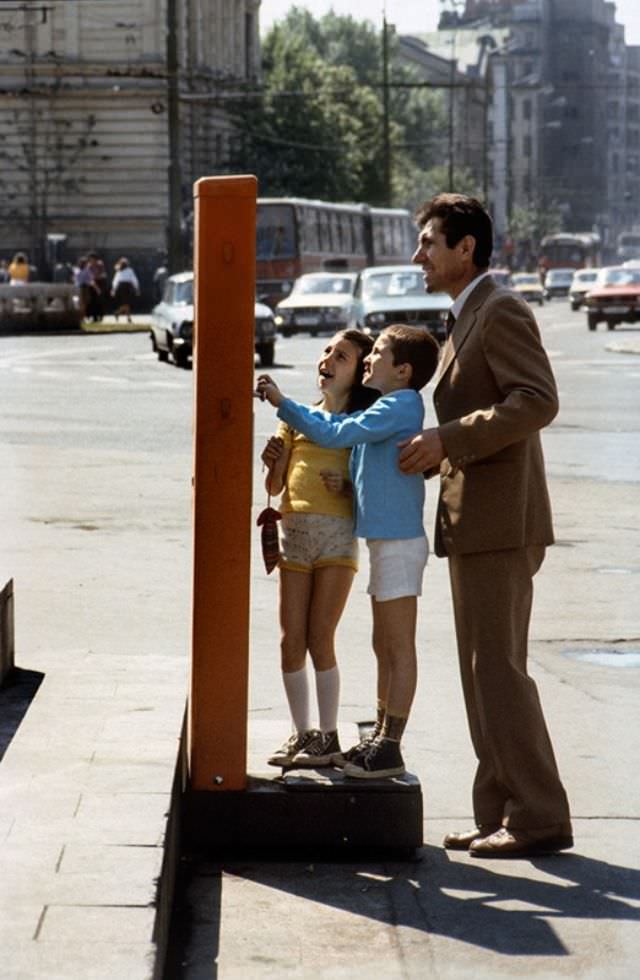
x,y
296,687
328,691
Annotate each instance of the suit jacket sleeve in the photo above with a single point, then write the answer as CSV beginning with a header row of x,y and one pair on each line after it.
x,y
514,387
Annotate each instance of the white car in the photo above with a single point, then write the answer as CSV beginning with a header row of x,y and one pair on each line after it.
x,y
396,294
529,286
318,301
172,324
582,282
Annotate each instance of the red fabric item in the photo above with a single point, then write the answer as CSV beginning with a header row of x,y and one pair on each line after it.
x,y
268,521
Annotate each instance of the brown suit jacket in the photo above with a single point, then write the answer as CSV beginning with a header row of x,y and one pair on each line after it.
x,y
495,390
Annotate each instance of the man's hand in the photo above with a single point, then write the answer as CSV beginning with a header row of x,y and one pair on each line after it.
x,y
422,452
268,389
334,482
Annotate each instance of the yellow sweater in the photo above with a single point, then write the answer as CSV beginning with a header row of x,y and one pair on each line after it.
x,y
305,492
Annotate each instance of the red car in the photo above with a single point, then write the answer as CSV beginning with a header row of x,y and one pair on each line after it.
x,y
614,298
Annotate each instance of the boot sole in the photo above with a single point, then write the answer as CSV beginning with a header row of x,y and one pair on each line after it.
x,y
356,773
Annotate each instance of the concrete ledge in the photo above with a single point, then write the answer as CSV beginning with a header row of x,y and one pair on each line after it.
x,y
7,632
307,811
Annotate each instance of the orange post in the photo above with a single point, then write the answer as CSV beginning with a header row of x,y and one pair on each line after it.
x,y
225,266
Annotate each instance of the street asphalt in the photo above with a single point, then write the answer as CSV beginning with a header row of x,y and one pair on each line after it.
x,y
87,778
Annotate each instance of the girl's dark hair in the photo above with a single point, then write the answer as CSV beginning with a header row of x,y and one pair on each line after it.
x,y
359,396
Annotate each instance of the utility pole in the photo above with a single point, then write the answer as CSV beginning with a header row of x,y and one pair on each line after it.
x,y
175,256
386,137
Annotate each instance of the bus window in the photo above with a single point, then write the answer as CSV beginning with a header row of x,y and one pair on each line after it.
x,y
310,225
357,234
275,238
324,231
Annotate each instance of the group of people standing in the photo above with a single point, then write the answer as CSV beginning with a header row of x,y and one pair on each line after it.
x,y
97,295
355,466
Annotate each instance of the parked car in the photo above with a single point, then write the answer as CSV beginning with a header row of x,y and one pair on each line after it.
x,y
318,301
614,298
529,286
172,324
582,282
396,294
557,282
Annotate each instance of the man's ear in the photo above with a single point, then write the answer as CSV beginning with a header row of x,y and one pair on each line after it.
x,y
467,245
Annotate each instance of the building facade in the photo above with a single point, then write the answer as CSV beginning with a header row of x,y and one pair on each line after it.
x,y
84,135
562,110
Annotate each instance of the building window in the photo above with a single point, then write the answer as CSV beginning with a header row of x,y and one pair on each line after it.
x,y
526,145
526,109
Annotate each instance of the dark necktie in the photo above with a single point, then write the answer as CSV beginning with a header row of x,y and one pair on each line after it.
x,y
450,322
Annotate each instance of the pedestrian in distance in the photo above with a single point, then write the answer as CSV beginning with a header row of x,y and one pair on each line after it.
x,y
388,514
98,304
19,270
494,392
319,554
83,279
4,272
124,288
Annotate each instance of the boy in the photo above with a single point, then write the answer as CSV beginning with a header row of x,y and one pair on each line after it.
x,y
388,514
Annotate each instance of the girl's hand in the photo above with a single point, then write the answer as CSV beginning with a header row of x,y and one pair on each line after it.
x,y
268,389
272,451
334,482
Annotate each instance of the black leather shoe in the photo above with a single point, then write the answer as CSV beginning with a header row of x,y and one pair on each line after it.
x,y
507,843
462,841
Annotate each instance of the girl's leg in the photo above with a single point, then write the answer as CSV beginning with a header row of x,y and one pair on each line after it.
x,y
331,587
295,595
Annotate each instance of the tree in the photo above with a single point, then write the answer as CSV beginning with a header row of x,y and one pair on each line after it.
x,y
317,128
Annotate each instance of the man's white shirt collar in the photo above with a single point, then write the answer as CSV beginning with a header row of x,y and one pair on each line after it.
x,y
461,299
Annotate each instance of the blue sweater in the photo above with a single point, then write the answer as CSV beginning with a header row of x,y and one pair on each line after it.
x,y
388,504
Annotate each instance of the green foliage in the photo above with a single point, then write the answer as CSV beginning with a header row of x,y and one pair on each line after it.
x,y
316,130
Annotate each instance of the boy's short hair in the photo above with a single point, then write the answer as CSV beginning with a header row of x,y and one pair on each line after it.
x,y
414,346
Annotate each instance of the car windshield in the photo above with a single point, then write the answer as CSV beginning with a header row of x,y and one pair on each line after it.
x,y
526,280
589,276
323,284
620,277
400,283
558,275
183,293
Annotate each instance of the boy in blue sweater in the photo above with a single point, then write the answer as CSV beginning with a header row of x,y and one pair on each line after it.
x,y
388,513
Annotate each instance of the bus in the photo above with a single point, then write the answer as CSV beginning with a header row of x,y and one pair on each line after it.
x,y
628,246
569,250
295,235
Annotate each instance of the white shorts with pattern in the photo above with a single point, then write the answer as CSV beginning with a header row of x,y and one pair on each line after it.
x,y
310,541
396,567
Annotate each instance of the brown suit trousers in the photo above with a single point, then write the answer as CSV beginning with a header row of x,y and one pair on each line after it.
x,y
517,782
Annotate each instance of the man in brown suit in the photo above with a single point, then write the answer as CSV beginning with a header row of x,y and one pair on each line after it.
x,y
494,392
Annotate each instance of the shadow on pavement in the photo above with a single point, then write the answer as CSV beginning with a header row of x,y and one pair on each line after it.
x,y
459,899
16,694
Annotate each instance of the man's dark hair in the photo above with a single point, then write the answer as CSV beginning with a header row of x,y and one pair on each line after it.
x,y
414,346
459,216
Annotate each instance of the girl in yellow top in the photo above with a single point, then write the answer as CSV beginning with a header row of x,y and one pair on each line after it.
x,y
18,270
318,552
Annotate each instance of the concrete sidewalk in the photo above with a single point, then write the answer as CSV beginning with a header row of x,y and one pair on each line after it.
x,y
86,785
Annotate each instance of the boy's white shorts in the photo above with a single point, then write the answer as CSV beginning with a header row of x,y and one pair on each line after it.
x,y
396,567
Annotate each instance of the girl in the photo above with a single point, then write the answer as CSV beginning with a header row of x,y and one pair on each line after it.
x,y
319,552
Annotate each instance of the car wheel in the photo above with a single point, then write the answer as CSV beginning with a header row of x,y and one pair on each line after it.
x,y
154,346
266,354
540,302
592,321
180,357
287,331
575,306
163,355
611,324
